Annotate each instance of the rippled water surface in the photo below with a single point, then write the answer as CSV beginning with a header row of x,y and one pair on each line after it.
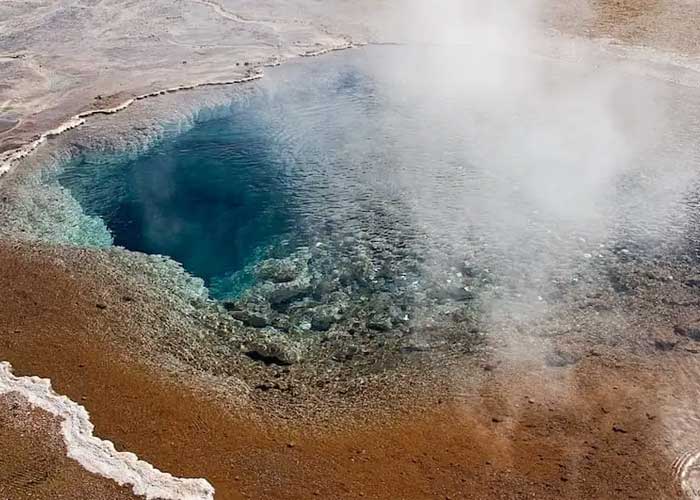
x,y
411,159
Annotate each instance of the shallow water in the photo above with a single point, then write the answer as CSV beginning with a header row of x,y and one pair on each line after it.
x,y
415,160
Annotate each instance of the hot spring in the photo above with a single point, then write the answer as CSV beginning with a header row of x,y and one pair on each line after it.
x,y
394,180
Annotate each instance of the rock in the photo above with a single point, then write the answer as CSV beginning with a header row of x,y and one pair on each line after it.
x,y
380,322
461,293
281,322
689,330
346,353
465,315
362,269
237,305
281,293
324,287
279,270
416,346
469,270
274,348
252,310
253,317
323,317
340,299
560,359
490,366
693,283
664,344
619,283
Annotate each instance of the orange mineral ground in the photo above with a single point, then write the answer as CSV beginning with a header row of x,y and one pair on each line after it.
x,y
594,431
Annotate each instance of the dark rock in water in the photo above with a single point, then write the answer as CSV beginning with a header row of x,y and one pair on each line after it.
x,y
560,359
281,322
380,322
255,317
694,283
465,315
416,345
323,317
253,311
383,313
232,306
690,330
281,293
361,269
461,293
346,353
469,270
324,287
279,270
664,344
272,347
618,283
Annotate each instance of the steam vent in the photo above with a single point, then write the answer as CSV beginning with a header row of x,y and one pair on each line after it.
x,y
340,250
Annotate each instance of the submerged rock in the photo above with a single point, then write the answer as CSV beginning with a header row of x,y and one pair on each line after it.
x,y
689,330
253,311
278,270
273,347
255,317
283,280
281,293
346,353
323,317
380,322
560,359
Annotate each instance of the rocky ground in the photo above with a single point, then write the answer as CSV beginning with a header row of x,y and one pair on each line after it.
x,y
590,394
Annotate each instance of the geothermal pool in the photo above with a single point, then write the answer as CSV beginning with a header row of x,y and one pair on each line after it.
x,y
404,174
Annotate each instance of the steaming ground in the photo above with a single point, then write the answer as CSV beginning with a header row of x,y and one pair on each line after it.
x,y
569,392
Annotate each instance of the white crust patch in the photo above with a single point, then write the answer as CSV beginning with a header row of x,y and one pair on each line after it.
x,y
8,158
98,455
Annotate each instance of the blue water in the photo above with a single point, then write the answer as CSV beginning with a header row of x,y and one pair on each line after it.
x,y
391,158
212,198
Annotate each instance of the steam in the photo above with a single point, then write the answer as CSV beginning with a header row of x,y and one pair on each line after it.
x,y
564,152
561,140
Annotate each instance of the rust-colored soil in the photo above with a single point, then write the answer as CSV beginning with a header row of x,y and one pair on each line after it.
x,y
33,462
589,431
669,25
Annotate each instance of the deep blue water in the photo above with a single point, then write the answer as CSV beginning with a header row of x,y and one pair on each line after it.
x,y
211,198
402,157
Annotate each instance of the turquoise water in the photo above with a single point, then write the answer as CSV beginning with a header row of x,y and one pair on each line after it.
x,y
270,174
384,162
213,198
